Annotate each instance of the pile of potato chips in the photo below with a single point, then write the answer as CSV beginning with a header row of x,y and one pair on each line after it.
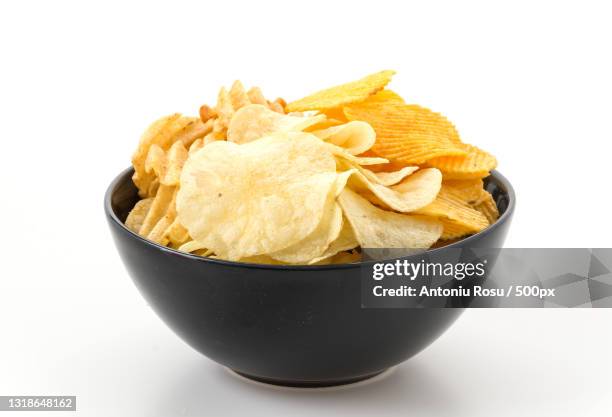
x,y
309,182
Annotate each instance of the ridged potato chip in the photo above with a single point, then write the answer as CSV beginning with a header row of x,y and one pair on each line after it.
x,y
487,206
340,95
449,206
474,165
254,121
470,191
256,198
355,137
408,134
377,228
414,192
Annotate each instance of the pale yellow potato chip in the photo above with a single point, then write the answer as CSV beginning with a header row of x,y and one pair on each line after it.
x,y
255,121
159,207
163,133
361,160
414,192
191,246
328,230
355,137
137,214
346,240
256,198
377,228
175,159
382,178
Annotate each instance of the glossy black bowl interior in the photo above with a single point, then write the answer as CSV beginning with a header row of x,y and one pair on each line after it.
x,y
289,325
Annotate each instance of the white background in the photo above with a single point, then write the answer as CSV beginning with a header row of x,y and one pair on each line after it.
x,y
529,81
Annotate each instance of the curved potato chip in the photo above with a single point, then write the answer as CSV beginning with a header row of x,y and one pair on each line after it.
x,y
318,241
361,160
174,161
327,231
156,161
377,228
475,164
382,178
343,94
256,198
163,133
450,207
355,137
346,240
255,121
137,214
414,192
191,246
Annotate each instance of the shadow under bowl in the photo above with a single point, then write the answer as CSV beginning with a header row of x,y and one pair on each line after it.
x,y
285,325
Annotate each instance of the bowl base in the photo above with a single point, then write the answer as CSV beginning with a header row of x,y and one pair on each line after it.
x,y
308,384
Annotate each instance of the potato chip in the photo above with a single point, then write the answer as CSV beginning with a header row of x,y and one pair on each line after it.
x,y
475,164
470,191
343,94
328,230
454,230
256,198
163,133
255,121
360,160
175,159
355,137
450,207
191,246
159,207
409,134
414,192
382,178
318,241
346,240
377,228
137,215
487,206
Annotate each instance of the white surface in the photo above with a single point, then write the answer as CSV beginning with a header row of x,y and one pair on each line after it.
x,y
530,82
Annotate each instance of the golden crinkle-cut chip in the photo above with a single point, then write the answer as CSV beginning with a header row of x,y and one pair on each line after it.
x,y
475,164
487,206
408,134
340,95
256,198
450,207
377,228
470,191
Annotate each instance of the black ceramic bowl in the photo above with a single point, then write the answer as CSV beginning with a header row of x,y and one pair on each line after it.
x,y
287,325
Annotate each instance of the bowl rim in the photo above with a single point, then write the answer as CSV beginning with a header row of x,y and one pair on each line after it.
x,y
110,213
